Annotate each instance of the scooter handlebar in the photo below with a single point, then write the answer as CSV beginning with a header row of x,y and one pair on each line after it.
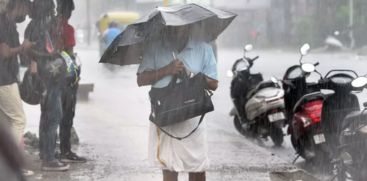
x,y
257,57
289,83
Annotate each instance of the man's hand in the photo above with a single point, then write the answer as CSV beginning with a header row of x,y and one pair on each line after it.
x,y
33,67
212,84
27,45
5,50
150,77
175,67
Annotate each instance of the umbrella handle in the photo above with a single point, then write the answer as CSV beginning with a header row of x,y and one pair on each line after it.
x,y
174,56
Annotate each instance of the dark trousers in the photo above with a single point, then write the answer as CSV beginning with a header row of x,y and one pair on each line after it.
x,y
51,115
69,96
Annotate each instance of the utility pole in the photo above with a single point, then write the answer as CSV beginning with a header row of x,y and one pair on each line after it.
x,y
89,27
351,23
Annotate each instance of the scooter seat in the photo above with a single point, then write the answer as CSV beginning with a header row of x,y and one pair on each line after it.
x,y
356,116
262,86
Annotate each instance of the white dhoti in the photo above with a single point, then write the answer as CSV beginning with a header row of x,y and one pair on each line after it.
x,y
187,155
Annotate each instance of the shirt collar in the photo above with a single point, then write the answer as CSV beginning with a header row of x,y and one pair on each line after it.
x,y
190,45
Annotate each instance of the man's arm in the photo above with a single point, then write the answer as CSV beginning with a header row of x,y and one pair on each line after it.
x,y
7,52
150,77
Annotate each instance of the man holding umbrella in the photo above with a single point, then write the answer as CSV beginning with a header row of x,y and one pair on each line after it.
x,y
168,42
189,155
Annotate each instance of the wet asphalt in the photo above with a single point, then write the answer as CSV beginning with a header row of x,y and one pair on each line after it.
x,y
113,124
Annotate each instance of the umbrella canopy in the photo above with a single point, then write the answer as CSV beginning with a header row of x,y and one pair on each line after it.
x,y
205,23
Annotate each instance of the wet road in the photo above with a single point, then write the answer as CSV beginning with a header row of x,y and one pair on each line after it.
x,y
113,124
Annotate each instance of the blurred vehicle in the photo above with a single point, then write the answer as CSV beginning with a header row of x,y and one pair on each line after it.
x,y
121,18
338,41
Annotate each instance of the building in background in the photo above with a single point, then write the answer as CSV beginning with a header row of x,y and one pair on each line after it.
x,y
265,23
250,26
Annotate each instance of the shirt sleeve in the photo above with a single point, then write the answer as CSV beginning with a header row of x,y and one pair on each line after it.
x,y
69,36
210,63
32,33
28,31
148,59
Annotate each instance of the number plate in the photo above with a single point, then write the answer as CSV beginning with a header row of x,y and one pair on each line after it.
x,y
319,138
276,117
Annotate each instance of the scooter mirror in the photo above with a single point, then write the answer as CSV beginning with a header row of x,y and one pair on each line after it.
x,y
308,67
305,49
249,48
229,73
359,82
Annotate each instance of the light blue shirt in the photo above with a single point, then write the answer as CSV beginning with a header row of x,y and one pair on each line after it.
x,y
196,56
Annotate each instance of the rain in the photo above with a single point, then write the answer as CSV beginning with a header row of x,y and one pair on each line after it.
x,y
242,90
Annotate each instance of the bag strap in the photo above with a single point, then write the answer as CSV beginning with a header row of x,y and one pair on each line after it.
x,y
184,137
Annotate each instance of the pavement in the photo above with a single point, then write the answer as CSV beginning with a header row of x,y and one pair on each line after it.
x,y
113,124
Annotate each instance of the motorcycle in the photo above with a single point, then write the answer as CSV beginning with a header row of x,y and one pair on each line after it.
x,y
258,105
338,41
316,116
304,103
350,161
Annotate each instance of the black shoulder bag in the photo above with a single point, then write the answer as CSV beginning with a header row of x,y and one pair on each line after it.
x,y
181,101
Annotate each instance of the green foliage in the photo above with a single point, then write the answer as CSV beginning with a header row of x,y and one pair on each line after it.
x,y
304,30
342,16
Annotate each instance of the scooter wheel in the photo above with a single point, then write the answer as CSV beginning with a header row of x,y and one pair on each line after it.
x,y
276,134
238,125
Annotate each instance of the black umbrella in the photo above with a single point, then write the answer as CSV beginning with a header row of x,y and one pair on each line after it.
x,y
206,24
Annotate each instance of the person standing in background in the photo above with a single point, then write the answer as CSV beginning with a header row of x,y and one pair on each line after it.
x,y
11,107
65,41
111,33
45,57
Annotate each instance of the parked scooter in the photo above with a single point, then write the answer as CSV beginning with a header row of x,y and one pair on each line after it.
x,y
304,103
350,160
259,105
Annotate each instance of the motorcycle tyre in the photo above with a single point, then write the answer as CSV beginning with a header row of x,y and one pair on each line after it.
x,y
277,136
321,155
238,125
